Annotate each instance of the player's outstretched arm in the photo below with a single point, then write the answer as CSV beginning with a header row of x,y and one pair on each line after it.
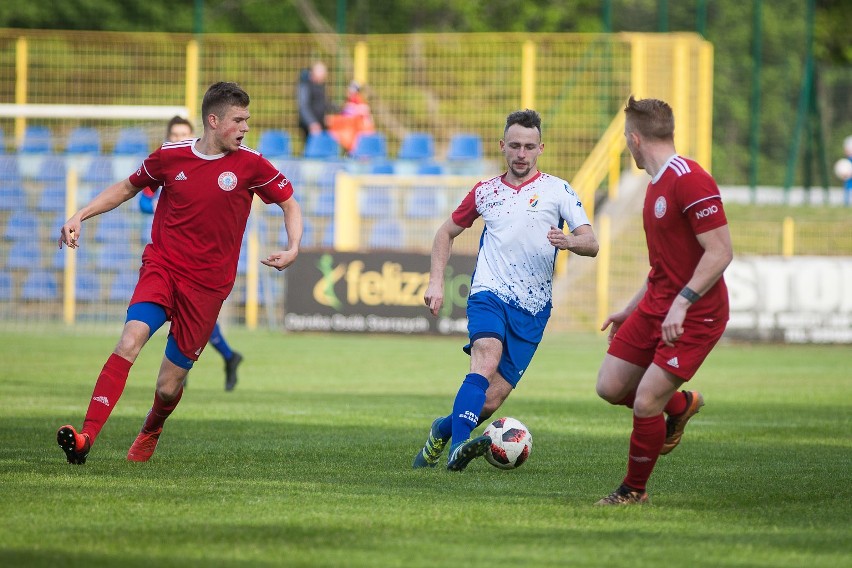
x,y
441,247
107,200
293,221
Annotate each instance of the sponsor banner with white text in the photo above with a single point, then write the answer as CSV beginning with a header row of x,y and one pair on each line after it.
x,y
800,299
374,293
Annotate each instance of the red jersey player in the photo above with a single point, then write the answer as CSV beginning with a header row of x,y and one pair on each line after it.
x,y
189,267
658,342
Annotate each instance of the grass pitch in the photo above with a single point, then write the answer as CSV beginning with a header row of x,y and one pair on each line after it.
x,y
308,461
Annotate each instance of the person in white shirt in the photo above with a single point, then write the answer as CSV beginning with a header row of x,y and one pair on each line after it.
x,y
524,211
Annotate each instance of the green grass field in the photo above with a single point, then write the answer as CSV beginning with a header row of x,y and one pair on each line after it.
x,y
307,462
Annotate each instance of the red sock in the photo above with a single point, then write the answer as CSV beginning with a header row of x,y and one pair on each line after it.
x,y
160,411
108,389
627,400
646,441
676,404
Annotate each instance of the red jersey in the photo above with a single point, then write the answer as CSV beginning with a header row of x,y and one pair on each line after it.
x,y
681,202
203,209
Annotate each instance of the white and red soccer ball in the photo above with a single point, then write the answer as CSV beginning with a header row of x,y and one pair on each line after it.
x,y
511,443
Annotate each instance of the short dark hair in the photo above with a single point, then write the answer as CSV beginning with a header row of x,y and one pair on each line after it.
x,y
527,118
652,118
178,120
220,97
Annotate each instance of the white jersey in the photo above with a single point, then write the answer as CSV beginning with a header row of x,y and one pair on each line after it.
x,y
515,259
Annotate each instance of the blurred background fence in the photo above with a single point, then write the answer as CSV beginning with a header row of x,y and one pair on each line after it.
x,y
79,110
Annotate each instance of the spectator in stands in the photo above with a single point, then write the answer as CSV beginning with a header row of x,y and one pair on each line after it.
x,y
355,118
312,100
179,129
190,266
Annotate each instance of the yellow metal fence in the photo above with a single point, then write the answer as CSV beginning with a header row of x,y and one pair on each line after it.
x,y
440,84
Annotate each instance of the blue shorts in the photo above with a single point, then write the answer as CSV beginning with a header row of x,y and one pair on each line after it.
x,y
520,331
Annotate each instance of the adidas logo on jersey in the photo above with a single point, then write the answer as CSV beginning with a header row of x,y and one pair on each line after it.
x,y
102,399
673,363
181,176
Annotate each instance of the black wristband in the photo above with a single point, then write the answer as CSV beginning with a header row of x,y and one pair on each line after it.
x,y
690,294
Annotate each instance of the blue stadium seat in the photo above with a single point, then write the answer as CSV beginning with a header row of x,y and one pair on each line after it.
x,y
132,142
12,196
147,226
52,168
122,286
10,171
382,167
7,286
321,146
52,197
423,203
84,257
324,204
24,255
99,172
84,140
88,287
37,140
274,144
117,256
465,147
370,146
376,203
430,169
22,226
417,146
386,234
40,286
112,227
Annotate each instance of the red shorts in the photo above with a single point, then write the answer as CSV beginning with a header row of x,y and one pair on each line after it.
x,y
639,341
192,311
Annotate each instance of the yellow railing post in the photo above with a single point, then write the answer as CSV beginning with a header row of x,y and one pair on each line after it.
x,y
603,263
528,75
682,82
69,294
361,63
347,214
704,110
21,85
252,266
191,98
788,235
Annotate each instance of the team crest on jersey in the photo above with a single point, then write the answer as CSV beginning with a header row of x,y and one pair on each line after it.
x,y
534,200
227,181
660,207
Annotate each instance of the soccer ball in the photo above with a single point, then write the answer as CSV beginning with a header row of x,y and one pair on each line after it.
x,y
843,168
511,443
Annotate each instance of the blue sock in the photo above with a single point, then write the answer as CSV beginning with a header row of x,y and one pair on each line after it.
x,y
445,426
217,340
467,406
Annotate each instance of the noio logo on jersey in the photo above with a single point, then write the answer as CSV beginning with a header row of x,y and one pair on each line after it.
x,y
706,212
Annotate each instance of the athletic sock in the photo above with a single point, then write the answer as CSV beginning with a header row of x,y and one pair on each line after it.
x,y
107,391
646,441
467,406
676,404
217,340
445,426
160,411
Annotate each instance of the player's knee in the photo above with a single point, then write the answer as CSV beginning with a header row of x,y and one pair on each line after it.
x,y
606,391
130,344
